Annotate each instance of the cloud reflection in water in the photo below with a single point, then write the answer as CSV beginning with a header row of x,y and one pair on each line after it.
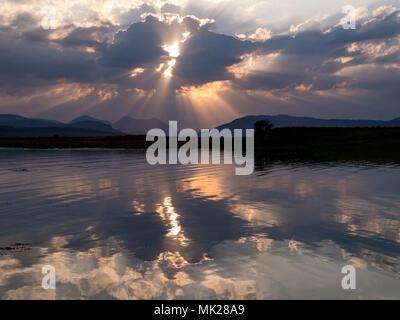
x,y
116,228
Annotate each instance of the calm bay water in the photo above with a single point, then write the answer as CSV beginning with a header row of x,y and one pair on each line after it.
x,y
115,227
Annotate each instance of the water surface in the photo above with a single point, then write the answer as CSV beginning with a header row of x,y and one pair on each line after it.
x,y
115,227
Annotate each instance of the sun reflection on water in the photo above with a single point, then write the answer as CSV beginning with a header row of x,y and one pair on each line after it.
x,y
168,214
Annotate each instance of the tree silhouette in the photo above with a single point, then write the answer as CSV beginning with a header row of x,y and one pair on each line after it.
x,y
261,128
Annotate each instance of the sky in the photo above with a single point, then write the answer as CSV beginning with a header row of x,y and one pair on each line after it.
x,y
200,62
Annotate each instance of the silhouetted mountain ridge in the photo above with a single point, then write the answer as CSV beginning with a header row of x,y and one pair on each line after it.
x,y
18,126
247,122
89,118
95,126
16,121
130,125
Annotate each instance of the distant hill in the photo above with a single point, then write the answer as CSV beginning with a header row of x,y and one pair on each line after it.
x,y
22,122
88,118
129,125
395,122
247,122
95,126
17,126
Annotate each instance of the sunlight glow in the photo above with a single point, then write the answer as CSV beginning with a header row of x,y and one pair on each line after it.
x,y
185,36
159,68
173,50
168,214
168,71
136,71
209,102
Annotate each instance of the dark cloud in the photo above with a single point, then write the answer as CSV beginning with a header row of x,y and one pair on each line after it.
x,y
334,41
85,37
270,80
139,45
206,55
312,57
20,57
24,20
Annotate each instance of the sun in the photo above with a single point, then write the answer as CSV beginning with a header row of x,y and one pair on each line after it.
x,y
173,52
173,49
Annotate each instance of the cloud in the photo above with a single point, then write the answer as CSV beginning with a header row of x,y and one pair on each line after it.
x,y
139,45
206,55
31,56
103,48
313,55
170,8
134,15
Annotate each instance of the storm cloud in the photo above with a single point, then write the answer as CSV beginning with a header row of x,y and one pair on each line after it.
x,y
185,56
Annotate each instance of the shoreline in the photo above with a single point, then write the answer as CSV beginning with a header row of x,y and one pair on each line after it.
x,y
311,143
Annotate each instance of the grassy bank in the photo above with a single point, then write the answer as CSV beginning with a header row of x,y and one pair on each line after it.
x,y
277,144
331,143
124,142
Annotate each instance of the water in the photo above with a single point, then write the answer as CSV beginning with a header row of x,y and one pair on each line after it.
x,y
115,227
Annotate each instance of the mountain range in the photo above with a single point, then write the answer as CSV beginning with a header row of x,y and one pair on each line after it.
x,y
18,126
247,122
129,125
